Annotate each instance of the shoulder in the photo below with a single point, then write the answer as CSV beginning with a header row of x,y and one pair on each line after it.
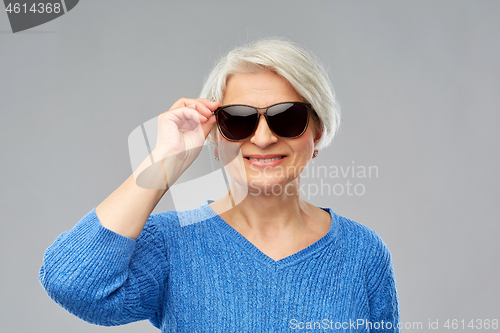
x,y
171,223
365,250
358,238
358,231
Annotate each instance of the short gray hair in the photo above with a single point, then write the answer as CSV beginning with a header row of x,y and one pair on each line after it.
x,y
297,66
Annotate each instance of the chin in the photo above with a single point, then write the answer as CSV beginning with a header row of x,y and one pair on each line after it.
x,y
271,186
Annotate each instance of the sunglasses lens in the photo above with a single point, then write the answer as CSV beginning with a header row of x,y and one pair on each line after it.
x,y
288,120
237,122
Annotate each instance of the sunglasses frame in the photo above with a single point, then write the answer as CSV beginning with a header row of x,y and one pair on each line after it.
x,y
263,112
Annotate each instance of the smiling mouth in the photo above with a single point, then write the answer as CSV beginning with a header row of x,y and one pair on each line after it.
x,y
264,159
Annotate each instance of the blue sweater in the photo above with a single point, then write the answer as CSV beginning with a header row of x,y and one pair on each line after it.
x,y
207,277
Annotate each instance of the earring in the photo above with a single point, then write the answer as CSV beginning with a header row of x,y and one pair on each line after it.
x,y
216,154
315,153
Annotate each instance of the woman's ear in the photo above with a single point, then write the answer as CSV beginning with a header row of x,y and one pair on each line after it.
x,y
318,133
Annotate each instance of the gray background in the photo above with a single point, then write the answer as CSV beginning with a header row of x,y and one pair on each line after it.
x,y
418,82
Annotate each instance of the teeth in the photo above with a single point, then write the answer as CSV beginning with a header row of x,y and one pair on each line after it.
x,y
265,160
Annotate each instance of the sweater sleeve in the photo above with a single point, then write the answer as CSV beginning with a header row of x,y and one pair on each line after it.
x,y
105,278
383,297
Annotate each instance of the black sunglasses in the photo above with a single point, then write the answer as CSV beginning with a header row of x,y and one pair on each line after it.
x,y
238,122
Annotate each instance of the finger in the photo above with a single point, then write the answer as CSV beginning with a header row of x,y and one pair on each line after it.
x,y
214,106
200,106
201,131
207,126
182,116
202,117
211,105
189,125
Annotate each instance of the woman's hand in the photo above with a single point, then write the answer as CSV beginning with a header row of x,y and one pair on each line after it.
x,y
185,126
182,130
181,133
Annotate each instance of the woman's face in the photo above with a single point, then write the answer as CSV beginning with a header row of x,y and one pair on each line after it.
x,y
288,156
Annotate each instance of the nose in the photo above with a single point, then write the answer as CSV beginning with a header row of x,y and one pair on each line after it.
x,y
263,135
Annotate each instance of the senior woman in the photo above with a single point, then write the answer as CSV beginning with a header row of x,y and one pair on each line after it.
x,y
260,259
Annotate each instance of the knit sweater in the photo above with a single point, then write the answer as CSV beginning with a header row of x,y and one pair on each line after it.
x,y
206,277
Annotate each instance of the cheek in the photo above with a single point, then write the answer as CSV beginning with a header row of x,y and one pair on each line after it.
x,y
306,144
307,152
228,150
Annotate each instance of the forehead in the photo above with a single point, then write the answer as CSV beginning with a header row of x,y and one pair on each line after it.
x,y
261,88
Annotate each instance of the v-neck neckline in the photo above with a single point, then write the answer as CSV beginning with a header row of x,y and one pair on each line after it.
x,y
264,258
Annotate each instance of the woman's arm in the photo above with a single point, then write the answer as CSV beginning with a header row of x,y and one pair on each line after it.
x,y
382,292
111,267
105,278
126,210
384,303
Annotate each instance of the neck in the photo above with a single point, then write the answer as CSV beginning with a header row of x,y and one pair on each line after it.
x,y
264,212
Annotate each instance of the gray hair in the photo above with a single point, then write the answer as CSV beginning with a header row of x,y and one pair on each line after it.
x,y
297,66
